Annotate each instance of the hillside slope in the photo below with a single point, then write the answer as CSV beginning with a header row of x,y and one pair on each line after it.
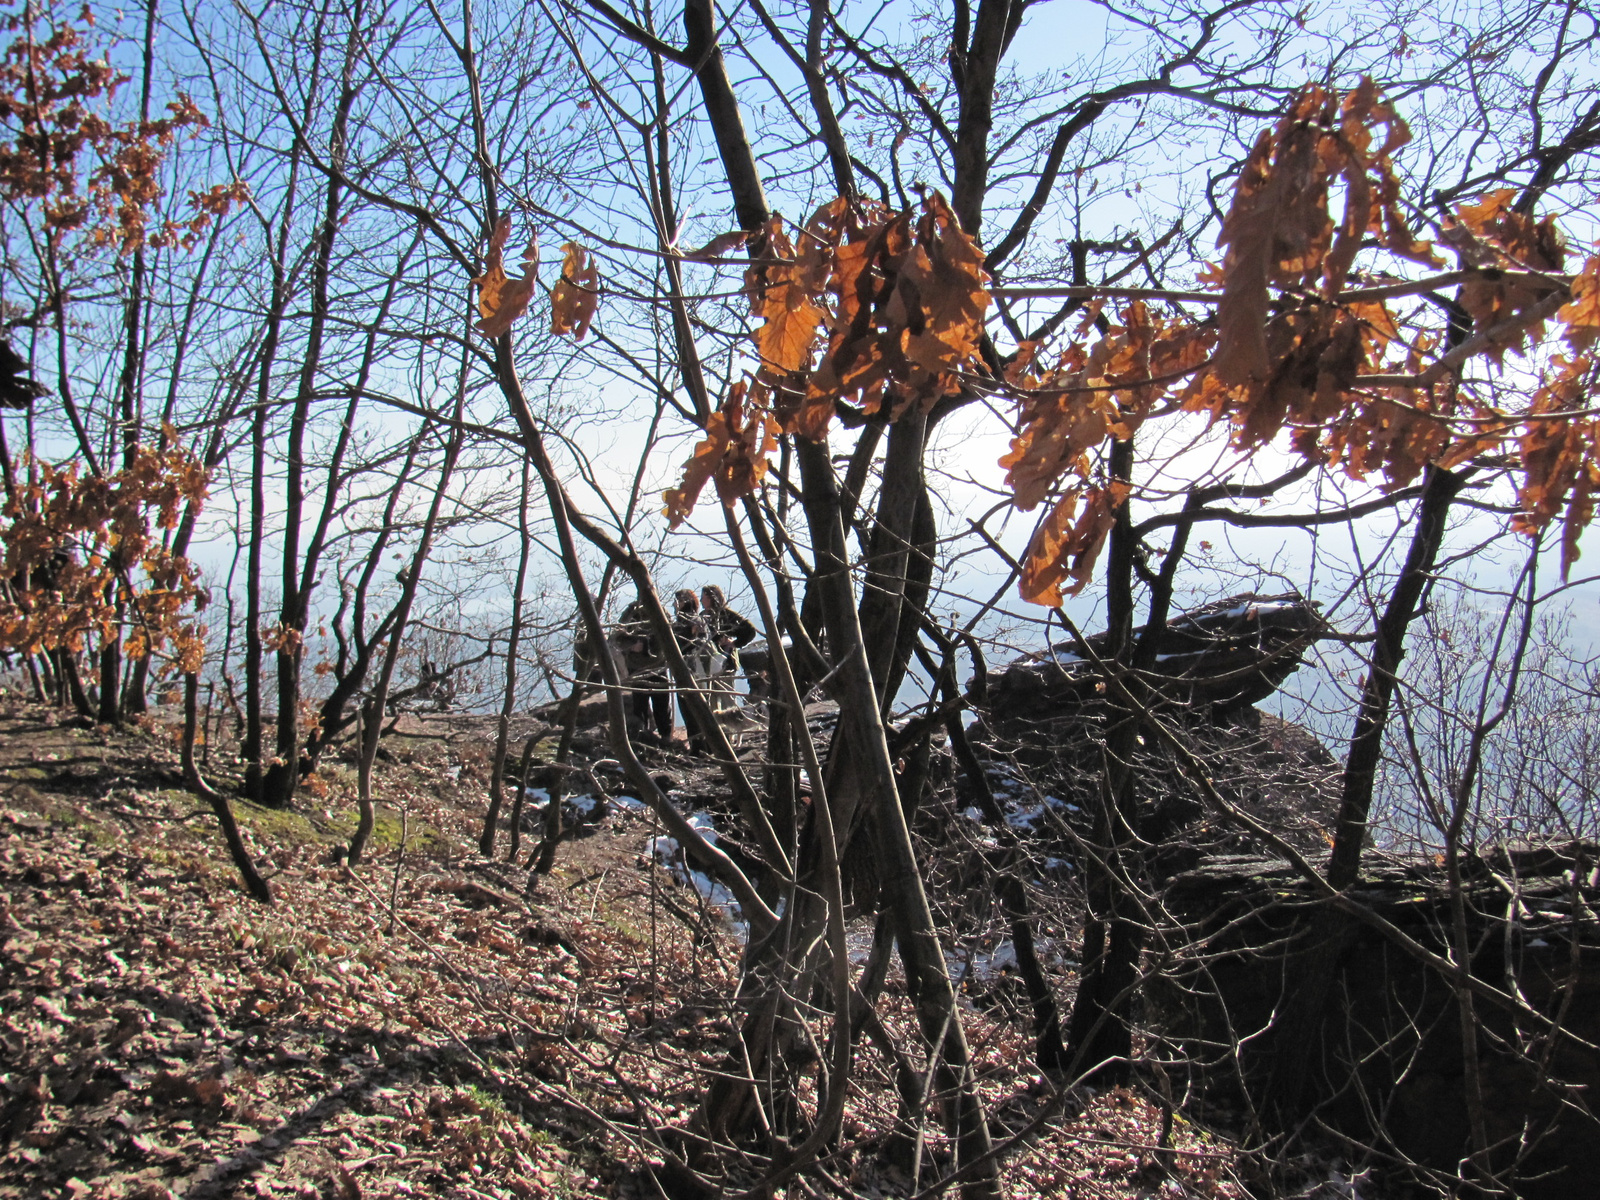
x,y
421,1026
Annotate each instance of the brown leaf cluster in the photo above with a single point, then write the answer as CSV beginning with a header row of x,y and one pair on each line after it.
x,y
1280,230
81,554
901,296
1295,363
909,302
503,298
1288,363
1582,315
885,310
1291,355
1560,455
64,153
1493,234
785,288
1095,392
739,437
1067,544
901,300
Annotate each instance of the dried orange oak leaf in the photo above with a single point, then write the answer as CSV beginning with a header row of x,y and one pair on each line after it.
x,y
739,437
1560,457
1582,315
1095,392
910,295
1064,550
944,272
784,296
1492,233
502,299
716,247
576,296
1277,231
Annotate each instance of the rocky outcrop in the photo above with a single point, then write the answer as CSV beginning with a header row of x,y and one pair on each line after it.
x,y
1390,1074
1041,726
1217,661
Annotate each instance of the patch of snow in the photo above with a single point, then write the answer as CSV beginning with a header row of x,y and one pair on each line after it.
x,y
984,966
1001,782
1024,818
1004,956
667,851
714,893
702,821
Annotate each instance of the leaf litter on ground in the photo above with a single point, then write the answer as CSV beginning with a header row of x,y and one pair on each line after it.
x,y
422,1027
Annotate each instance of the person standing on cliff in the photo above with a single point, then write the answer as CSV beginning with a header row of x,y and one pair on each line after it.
x,y
727,631
694,640
645,665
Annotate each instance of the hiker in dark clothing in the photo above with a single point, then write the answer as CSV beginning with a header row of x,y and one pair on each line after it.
x,y
641,670
694,640
727,629
646,671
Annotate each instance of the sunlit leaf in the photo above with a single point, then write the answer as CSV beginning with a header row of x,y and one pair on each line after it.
x,y
734,453
576,295
501,298
1060,560
1582,314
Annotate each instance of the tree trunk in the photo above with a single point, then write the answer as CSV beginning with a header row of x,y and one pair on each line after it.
x,y
34,680
522,791
503,725
111,675
544,859
1366,743
927,976
136,693
71,688
1100,1034
296,577
333,718
883,592
1310,976
372,722
240,853
1049,1051
252,750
